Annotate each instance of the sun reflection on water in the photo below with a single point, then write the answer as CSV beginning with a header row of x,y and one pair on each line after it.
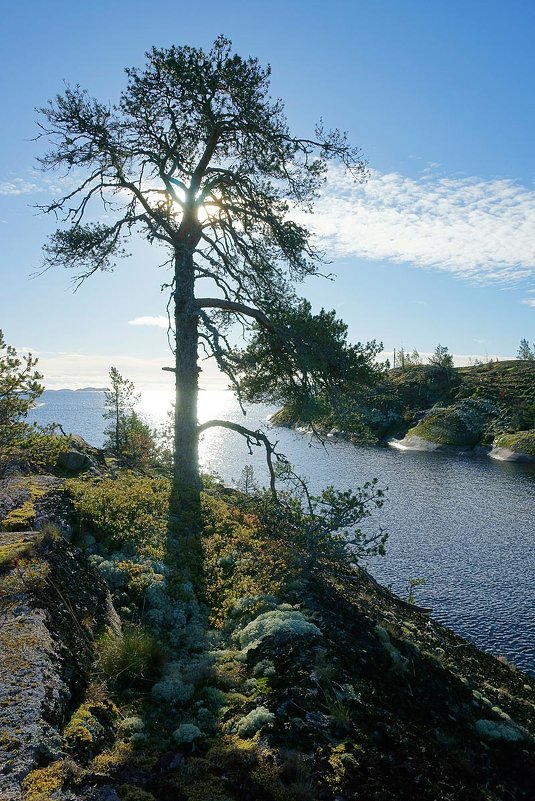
x,y
219,448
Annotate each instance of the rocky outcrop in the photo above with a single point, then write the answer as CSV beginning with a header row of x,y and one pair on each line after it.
x,y
425,407
52,603
417,443
80,456
462,424
30,502
517,447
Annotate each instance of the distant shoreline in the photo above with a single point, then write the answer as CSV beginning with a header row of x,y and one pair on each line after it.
x,y
79,389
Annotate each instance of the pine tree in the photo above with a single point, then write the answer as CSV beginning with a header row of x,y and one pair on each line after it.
x,y
197,158
119,402
525,352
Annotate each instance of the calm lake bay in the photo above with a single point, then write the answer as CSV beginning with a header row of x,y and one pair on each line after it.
x,y
465,524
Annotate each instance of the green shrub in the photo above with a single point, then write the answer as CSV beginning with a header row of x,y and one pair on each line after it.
x,y
127,792
129,509
187,733
90,728
277,624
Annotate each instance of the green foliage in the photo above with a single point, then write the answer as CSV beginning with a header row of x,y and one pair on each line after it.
x,y
139,444
187,733
304,360
130,659
412,583
11,553
126,433
325,528
42,784
441,358
257,719
127,792
520,442
20,387
240,558
282,623
42,446
90,728
129,509
201,161
525,352
172,687
247,482
129,726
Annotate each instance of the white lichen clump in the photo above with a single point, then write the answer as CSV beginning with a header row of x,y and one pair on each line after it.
x,y
254,721
278,623
187,733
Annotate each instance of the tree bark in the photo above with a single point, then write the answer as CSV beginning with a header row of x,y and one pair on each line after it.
x,y
185,500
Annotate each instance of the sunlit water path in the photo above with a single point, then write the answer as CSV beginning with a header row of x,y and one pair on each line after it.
x,y
464,524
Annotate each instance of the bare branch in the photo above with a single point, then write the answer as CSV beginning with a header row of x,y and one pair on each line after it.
x,y
252,437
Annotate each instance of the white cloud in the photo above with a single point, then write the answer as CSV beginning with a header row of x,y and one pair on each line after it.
x,y
530,301
73,370
482,230
159,321
18,186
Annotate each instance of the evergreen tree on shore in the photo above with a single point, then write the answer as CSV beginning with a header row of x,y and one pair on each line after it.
x,y
197,158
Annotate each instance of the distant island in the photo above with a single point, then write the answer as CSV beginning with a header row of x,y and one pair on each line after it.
x,y
80,389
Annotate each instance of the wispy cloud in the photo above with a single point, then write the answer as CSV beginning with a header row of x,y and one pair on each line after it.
x,y
158,322
482,230
72,370
17,186
531,300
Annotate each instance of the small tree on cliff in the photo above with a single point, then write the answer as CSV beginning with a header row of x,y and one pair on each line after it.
x,y
126,433
20,387
525,352
441,358
119,401
198,158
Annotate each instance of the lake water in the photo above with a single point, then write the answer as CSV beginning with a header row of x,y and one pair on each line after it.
x,y
464,524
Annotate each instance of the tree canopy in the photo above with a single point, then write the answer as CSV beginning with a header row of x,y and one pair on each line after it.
x,y
196,156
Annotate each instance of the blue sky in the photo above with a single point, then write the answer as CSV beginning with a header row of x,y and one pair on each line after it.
x,y
439,246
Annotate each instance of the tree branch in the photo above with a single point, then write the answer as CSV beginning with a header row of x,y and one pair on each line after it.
x,y
239,308
250,435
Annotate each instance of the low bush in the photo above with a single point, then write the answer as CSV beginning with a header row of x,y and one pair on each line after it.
x,y
127,510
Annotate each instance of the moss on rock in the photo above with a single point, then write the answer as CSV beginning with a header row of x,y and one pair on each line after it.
x,y
519,442
41,784
91,728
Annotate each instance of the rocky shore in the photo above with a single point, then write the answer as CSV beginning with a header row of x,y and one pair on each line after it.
x,y
482,410
239,667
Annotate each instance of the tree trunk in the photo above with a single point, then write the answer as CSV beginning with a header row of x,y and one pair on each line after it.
x,y
185,496
117,426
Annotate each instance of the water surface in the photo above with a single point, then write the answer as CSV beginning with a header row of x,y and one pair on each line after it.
x,y
464,524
